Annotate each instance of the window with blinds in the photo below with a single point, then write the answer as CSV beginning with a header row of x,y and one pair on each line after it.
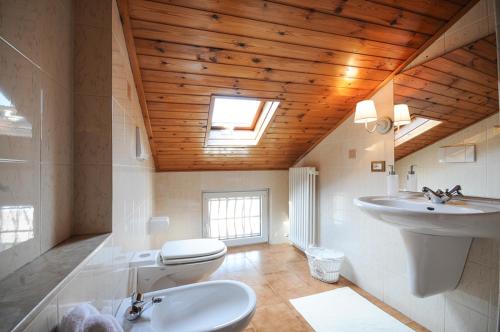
x,y
236,217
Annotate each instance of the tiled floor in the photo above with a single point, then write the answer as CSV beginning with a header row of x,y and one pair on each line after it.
x,y
278,273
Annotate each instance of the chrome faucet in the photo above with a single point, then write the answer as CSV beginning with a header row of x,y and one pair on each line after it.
x,y
441,197
138,305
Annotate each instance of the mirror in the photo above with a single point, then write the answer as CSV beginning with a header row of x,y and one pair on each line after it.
x,y
452,139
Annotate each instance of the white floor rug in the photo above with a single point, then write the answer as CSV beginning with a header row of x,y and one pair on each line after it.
x,y
344,310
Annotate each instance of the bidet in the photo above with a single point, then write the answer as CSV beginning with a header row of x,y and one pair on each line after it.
x,y
212,306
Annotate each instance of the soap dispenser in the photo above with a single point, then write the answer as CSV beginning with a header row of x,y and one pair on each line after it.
x,y
392,182
411,179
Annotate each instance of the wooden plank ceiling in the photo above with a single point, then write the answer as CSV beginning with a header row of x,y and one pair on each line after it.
x,y
319,57
458,88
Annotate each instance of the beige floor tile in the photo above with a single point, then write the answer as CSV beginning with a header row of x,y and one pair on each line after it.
x,y
287,294
266,296
278,273
249,328
279,317
284,280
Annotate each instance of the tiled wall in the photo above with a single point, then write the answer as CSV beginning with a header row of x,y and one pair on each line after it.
x,y
105,279
36,67
178,195
480,178
132,178
93,117
375,253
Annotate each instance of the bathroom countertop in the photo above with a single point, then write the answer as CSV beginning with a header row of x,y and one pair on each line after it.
x,y
24,292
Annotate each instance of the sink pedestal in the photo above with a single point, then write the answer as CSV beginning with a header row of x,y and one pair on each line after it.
x,y
435,262
437,236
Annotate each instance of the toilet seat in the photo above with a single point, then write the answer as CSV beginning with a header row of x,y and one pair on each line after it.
x,y
191,251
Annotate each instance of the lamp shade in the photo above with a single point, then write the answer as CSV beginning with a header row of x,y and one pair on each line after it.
x,y
365,112
401,115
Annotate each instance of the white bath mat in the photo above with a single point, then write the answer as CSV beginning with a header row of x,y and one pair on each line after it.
x,y
344,310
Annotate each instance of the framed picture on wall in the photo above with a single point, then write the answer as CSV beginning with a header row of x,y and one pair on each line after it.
x,y
378,166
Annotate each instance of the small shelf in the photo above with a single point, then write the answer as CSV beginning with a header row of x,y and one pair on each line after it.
x,y
26,290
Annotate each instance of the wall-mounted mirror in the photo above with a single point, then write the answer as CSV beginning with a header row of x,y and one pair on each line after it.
x,y
453,138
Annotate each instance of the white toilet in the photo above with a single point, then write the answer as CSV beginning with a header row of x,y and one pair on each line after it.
x,y
177,263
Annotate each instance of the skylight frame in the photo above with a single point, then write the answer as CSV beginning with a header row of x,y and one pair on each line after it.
x,y
255,118
220,137
410,131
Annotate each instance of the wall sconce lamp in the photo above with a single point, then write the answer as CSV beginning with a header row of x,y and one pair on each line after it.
x,y
401,115
366,113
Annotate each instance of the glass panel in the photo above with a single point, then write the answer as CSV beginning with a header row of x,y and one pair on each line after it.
x,y
234,217
417,127
234,112
16,225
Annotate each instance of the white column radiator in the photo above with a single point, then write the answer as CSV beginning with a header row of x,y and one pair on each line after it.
x,y
302,206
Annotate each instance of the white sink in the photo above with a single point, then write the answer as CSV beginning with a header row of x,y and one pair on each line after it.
x,y
218,306
437,236
470,217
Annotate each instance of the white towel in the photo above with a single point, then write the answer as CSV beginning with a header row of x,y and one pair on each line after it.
x,y
73,320
101,323
85,318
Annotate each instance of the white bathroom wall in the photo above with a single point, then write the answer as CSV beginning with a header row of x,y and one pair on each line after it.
x,y
36,75
375,253
178,195
480,178
132,178
105,279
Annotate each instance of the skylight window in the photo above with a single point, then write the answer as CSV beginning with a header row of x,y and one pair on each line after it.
x,y
231,113
416,127
237,121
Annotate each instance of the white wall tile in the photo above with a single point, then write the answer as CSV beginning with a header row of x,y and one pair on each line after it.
x,y
178,195
429,312
475,287
459,318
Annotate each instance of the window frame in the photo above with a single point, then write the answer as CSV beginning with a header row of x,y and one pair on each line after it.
x,y
265,214
408,135
256,118
241,136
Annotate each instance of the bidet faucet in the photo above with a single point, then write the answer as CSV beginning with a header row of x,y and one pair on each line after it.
x,y
138,305
441,197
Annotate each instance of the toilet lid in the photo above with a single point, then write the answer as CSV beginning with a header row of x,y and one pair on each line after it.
x,y
192,260
191,248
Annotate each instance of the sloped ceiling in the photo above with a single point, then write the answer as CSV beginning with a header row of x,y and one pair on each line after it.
x,y
458,88
319,57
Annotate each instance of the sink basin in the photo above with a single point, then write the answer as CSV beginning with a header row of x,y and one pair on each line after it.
x,y
218,306
437,236
471,217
